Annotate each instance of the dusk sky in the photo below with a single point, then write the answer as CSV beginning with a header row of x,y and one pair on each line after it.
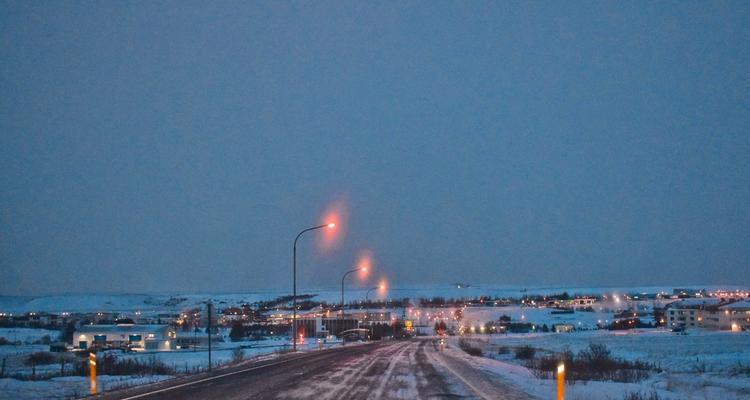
x,y
178,147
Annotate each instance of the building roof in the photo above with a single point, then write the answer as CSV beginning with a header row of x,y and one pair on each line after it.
x,y
695,303
121,328
738,305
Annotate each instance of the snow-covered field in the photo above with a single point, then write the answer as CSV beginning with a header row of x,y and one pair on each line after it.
x,y
700,365
699,350
188,360
76,386
27,335
68,387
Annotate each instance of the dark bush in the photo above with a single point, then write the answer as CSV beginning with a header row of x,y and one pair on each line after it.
x,y
238,331
740,369
237,355
39,358
46,339
110,364
469,349
593,363
525,352
641,396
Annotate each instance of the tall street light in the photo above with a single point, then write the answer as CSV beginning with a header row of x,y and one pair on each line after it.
x,y
294,275
342,286
367,294
367,302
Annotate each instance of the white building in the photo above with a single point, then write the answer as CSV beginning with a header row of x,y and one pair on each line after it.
x,y
136,337
737,315
709,313
689,313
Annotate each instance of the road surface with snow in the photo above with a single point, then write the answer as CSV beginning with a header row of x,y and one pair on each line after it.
x,y
414,369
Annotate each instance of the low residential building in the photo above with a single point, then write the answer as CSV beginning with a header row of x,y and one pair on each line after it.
x,y
737,315
135,337
564,328
580,302
371,317
689,313
324,326
709,313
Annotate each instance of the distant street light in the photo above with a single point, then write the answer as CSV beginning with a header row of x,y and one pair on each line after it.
x,y
294,274
342,286
367,302
367,294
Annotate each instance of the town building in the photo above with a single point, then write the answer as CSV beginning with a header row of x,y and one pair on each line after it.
x,y
737,315
135,337
709,313
564,328
320,326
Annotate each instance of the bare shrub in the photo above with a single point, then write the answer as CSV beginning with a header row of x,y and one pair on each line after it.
x,y
469,349
740,369
110,364
237,355
39,358
593,363
525,352
641,396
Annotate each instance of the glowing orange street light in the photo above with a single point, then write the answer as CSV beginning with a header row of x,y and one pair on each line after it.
x,y
294,277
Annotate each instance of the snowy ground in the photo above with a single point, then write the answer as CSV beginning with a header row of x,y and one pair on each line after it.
x,y
68,387
27,335
700,365
76,386
188,360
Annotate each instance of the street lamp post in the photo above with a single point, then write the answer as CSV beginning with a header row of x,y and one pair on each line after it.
x,y
367,294
342,297
367,303
342,286
294,285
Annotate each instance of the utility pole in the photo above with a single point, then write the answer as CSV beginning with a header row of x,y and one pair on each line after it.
x,y
209,335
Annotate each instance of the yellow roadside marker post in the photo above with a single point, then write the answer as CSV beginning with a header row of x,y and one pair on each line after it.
x,y
561,381
92,368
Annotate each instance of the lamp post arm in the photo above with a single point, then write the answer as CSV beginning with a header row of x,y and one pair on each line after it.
x,y
342,288
294,284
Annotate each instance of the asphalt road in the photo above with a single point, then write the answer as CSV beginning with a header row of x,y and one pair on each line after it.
x,y
414,369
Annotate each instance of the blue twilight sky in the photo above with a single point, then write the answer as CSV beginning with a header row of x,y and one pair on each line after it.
x,y
175,146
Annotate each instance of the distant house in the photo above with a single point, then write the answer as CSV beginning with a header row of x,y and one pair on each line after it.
x,y
564,328
136,337
580,302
